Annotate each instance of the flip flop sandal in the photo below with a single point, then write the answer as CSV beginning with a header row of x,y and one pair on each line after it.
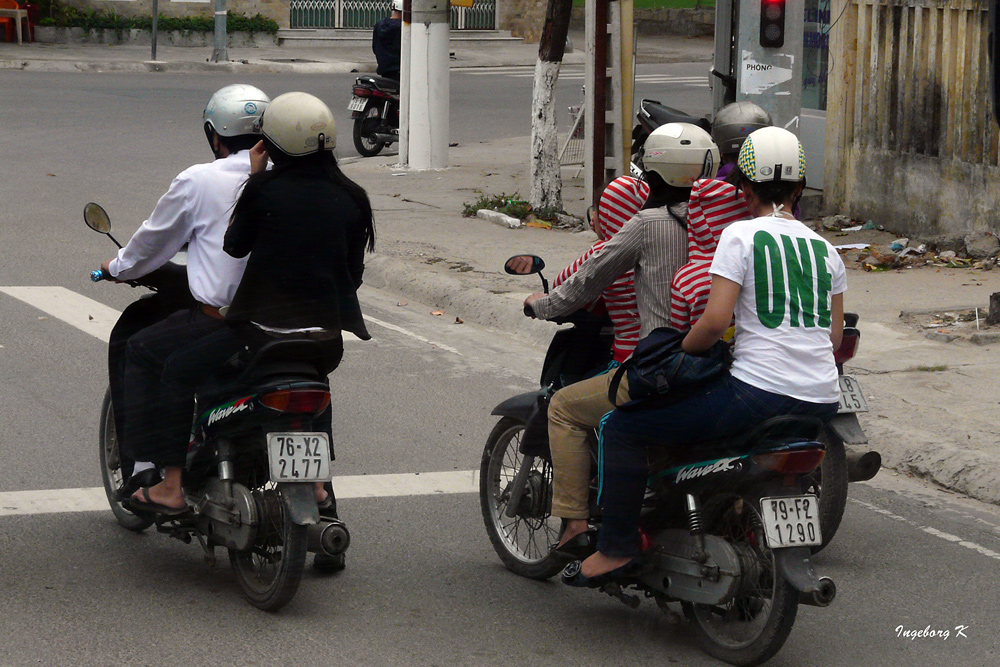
x,y
147,478
149,506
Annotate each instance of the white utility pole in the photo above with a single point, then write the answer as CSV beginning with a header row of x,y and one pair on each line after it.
x,y
404,87
220,53
427,93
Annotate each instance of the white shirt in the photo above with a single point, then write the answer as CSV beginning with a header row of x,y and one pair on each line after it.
x,y
195,210
788,276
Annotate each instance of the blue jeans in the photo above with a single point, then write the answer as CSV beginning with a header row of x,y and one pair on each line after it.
x,y
726,407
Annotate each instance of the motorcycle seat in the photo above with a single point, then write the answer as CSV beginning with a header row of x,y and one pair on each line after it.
x,y
381,82
663,114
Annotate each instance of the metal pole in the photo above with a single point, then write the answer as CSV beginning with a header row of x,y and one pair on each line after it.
x,y
156,11
599,146
219,53
429,103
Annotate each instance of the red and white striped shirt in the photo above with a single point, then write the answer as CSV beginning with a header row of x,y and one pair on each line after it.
x,y
620,201
713,206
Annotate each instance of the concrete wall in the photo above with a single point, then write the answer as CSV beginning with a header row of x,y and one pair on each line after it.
x,y
664,21
524,18
272,9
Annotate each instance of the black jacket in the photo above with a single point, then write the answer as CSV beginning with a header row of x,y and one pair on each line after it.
x,y
386,39
306,241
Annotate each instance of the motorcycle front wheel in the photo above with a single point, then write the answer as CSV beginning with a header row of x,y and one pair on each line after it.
x,y
365,127
523,541
111,471
270,571
752,627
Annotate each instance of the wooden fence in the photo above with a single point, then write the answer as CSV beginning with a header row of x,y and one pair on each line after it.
x,y
911,139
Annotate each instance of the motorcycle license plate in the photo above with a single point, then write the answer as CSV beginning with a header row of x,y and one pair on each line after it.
x,y
299,457
852,399
357,104
791,521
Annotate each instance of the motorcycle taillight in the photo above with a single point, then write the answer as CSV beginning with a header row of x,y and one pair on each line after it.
x,y
848,346
362,92
297,400
791,463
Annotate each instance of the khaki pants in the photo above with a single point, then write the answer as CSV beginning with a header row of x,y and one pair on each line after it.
x,y
573,412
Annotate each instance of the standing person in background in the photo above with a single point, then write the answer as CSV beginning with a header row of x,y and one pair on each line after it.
x,y
387,39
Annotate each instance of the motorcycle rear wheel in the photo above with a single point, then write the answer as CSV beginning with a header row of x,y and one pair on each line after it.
x,y
271,570
523,542
752,627
365,126
111,471
829,482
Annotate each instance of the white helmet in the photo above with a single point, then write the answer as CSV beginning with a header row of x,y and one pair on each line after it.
x,y
772,154
299,124
397,5
234,110
681,153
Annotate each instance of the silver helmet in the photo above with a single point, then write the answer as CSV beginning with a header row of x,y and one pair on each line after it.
x,y
734,122
235,110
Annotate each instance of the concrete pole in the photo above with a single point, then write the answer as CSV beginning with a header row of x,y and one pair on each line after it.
x,y
404,87
219,53
156,11
429,89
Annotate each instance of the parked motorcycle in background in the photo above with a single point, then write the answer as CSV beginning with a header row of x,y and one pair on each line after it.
x,y
726,528
375,110
254,456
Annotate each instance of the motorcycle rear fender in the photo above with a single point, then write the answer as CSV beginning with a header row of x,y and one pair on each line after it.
x,y
300,501
793,563
519,407
848,428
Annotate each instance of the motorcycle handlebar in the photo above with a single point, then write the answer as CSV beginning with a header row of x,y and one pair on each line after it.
x,y
99,275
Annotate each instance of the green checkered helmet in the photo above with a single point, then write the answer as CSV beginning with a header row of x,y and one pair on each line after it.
x,y
772,154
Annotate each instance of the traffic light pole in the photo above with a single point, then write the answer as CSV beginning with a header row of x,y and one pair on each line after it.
x,y
767,56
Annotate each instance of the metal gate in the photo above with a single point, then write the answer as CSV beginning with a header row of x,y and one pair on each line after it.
x,y
366,13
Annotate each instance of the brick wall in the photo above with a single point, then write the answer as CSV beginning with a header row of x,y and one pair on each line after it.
x,y
524,18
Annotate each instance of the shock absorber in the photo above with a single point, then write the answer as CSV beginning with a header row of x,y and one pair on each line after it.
x,y
696,526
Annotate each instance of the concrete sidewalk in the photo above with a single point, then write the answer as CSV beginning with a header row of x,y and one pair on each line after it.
x,y
329,58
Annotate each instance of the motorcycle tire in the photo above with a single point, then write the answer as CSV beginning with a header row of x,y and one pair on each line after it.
x,y
270,571
829,482
365,127
111,472
751,628
523,542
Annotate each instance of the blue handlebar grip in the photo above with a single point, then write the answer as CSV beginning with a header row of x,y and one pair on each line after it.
x,y
98,275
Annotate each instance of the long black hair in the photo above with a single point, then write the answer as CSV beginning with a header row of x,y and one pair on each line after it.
x,y
663,194
322,160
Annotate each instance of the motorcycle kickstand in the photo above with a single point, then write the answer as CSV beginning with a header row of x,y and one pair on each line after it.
x,y
615,590
209,550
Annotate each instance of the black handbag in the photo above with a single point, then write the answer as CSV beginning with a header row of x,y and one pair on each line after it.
x,y
659,367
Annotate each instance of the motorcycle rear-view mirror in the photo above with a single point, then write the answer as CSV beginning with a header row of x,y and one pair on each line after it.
x,y
523,265
97,219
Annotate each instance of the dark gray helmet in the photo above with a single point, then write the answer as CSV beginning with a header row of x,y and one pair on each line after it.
x,y
734,122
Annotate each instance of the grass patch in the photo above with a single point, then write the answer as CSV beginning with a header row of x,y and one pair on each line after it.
x,y
511,205
932,369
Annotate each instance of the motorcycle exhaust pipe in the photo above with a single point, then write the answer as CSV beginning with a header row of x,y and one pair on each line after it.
x,y
386,138
822,596
328,537
862,466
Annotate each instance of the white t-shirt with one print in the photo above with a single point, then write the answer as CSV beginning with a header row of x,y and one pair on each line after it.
x,y
788,275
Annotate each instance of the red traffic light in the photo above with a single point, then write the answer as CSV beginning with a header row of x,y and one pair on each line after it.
x,y
772,23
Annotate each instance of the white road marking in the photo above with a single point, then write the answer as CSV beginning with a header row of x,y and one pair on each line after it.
x,y
87,315
74,309
947,537
407,332
59,501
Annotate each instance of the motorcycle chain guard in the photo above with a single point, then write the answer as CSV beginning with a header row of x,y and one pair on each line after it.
x,y
677,574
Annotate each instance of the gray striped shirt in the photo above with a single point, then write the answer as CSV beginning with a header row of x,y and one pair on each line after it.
x,y
654,244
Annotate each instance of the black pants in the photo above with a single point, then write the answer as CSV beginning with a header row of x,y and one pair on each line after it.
x,y
157,420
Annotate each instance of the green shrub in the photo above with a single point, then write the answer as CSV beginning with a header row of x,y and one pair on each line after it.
x,y
511,205
64,16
